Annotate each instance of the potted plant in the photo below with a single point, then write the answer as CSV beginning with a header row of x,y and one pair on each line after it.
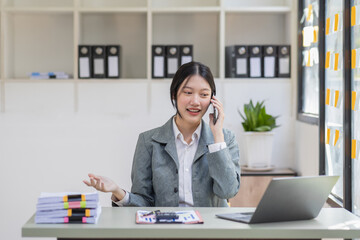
x,y
258,136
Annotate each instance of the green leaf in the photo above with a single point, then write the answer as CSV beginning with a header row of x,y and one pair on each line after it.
x,y
256,119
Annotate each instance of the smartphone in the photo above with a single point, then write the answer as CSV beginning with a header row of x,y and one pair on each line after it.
x,y
215,114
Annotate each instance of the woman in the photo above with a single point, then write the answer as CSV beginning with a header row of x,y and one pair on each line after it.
x,y
186,162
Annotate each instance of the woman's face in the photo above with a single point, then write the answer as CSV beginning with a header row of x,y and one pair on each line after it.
x,y
193,99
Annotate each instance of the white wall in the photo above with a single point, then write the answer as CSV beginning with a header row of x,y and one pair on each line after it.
x,y
45,146
307,149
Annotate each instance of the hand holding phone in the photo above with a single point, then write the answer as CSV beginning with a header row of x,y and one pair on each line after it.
x,y
215,114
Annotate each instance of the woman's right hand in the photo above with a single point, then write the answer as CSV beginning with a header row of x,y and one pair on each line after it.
x,y
104,184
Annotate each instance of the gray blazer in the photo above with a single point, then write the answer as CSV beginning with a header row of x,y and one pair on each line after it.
x,y
155,180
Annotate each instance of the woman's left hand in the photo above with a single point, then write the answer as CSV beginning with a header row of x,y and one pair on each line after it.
x,y
217,128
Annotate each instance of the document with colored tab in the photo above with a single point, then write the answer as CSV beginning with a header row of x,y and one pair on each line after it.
x,y
67,205
69,219
67,197
186,217
76,212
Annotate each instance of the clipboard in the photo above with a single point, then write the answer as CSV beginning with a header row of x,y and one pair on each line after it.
x,y
185,217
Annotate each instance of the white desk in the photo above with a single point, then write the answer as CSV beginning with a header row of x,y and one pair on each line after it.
x,y
119,223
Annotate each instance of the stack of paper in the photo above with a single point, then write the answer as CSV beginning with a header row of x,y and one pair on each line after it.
x,y
68,208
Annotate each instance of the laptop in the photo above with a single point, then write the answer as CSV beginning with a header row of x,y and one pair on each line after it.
x,y
289,199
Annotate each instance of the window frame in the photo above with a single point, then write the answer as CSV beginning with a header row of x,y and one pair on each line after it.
x,y
301,116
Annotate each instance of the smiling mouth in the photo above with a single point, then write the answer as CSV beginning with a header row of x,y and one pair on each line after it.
x,y
193,110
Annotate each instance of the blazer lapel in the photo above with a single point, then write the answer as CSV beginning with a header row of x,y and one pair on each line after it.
x,y
165,135
206,139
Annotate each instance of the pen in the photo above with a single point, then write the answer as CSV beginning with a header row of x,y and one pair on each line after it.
x,y
150,213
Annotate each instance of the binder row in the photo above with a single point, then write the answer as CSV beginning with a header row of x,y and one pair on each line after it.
x,y
99,61
166,59
255,61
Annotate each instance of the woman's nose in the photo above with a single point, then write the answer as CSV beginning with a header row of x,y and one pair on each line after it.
x,y
195,99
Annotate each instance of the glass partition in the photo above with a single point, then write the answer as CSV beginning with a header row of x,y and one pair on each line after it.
x,y
334,92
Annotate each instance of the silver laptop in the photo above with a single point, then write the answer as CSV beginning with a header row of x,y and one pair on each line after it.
x,y
289,199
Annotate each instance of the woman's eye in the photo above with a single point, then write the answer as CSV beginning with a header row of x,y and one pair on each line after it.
x,y
188,93
204,94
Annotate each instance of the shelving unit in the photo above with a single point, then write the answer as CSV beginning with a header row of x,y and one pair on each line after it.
x,y
43,35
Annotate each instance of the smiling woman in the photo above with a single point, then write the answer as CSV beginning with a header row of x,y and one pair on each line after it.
x,y
185,162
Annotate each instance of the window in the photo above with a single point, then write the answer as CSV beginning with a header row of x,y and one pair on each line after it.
x,y
308,99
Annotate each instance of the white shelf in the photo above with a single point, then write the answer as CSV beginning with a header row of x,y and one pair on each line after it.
x,y
113,10
111,80
43,35
276,9
186,10
38,10
28,80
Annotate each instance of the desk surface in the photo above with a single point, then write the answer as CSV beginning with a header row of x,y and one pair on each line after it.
x,y
120,223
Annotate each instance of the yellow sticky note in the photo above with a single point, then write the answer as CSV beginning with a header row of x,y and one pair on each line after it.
x,y
353,148
353,15
353,100
336,22
327,101
337,134
337,94
327,60
328,136
353,58
336,62
316,32
308,59
327,26
309,12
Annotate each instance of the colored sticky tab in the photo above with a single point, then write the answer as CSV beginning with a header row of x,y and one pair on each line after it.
x,y
353,58
353,16
65,198
84,219
336,22
69,212
327,101
309,12
308,59
66,205
316,33
66,219
328,136
83,197
337,94
327,60
353,100
336,62
353,148
87,212
83,204
327,26
337,134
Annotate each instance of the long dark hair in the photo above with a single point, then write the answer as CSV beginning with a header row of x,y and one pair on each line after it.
x,y
183,73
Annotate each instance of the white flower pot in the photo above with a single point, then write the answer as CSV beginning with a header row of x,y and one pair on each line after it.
x,y
258,149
